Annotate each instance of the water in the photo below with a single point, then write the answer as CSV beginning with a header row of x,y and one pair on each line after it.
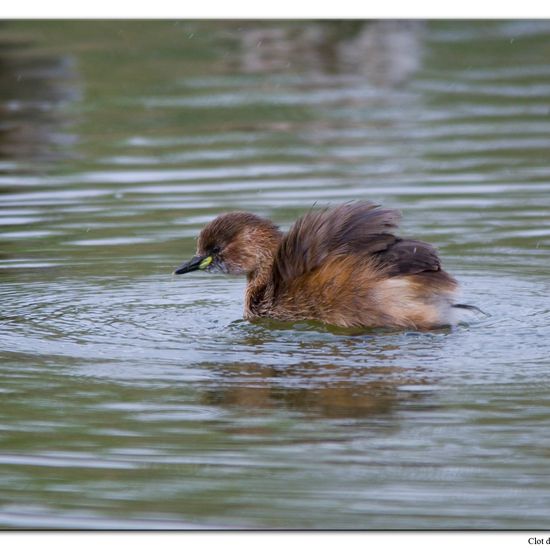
x,y
134,399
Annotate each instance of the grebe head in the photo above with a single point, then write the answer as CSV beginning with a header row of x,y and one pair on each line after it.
x,y
238,243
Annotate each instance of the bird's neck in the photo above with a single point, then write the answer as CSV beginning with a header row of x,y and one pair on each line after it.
x,y
258,289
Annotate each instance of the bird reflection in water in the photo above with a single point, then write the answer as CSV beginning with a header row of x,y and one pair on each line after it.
x,y
318,389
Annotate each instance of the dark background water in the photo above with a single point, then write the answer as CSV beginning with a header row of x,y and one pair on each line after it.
x,y
131,399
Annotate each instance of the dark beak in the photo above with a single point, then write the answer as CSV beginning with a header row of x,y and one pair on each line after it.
x,y
196,262
191,265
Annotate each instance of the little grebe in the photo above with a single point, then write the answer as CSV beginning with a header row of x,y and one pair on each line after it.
x,y
342,266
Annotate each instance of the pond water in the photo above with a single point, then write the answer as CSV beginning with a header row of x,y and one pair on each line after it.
x,y
130,398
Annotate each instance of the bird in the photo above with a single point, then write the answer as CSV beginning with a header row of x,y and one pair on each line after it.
x,y
343,266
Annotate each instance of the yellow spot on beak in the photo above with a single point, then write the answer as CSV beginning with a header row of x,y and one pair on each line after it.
x,y
206,262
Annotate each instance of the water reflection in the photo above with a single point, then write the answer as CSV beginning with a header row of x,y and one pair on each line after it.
x,y
318,389
35,93
384,53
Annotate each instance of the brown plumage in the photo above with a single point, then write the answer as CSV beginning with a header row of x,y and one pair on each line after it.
x,y
343,266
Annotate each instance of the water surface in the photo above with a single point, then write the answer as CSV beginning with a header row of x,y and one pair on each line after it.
x,y
134,399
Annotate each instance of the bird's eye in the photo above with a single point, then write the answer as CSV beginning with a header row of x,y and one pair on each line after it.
x,y
215,249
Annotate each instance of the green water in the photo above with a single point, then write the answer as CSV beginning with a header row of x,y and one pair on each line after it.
x,y
133,399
